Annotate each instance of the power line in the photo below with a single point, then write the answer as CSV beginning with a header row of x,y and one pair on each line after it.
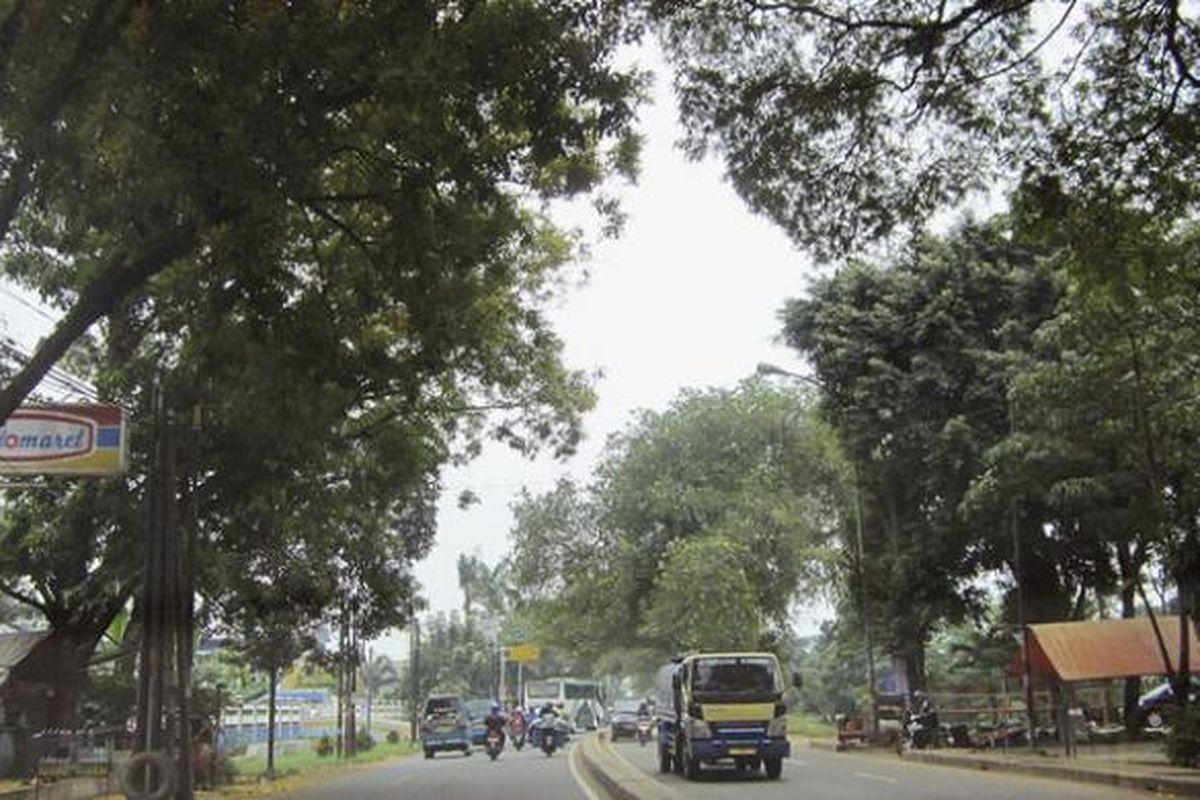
x,y
32,306
57,376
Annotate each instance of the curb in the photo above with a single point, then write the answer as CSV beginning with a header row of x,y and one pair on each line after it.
x,y
1183,787
618,779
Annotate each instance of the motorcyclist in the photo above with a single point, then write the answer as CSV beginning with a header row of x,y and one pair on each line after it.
x,y
496,721
645,709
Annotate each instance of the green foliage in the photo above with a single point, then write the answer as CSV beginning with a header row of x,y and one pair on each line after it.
x,y
834,666
456,657
1183,740
324,746
704,599
718,509
847,120
393,737
913,358
363,741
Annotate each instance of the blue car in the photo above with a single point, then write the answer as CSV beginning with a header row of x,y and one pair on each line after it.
x,y
478,710
444,725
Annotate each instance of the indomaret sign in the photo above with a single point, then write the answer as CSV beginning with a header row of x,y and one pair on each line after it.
x,y
64,439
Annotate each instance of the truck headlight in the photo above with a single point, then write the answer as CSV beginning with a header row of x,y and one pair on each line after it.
x,y
777,727
698,729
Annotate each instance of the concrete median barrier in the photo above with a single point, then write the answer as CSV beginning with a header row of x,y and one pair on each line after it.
x,y
615,777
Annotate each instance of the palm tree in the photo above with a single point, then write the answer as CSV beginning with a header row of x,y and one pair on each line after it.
x,y
376,673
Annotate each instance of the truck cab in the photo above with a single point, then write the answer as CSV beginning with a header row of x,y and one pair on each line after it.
x,y
717,707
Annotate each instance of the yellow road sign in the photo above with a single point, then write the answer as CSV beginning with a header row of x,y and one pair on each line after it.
x,y
524,653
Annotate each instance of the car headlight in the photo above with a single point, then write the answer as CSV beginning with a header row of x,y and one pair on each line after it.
x,y
698,729
777,727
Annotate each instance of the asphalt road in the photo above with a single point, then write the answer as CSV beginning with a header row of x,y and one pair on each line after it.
x,y
525,775
824,775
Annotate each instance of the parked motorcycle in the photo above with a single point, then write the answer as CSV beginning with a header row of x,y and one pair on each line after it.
x,y
920,731
494,743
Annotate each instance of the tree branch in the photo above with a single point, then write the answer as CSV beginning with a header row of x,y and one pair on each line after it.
x,y
24,599
110,286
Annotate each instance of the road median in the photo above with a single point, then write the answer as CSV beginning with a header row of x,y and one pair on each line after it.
x,y
615,777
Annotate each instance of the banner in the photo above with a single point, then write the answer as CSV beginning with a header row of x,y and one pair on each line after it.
x,y
67,439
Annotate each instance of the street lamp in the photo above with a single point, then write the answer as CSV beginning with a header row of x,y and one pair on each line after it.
x,y
766,370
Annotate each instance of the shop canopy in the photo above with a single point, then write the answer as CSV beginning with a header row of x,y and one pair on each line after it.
x,y
1108,648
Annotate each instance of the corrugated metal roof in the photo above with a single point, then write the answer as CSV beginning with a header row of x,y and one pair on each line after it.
x,y
1109,648
15,646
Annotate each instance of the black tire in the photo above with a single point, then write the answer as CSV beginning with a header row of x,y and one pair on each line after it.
x,y
774,765
664,759
428,753
467,751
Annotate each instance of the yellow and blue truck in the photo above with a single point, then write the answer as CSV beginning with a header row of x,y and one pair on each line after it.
x,y
723,707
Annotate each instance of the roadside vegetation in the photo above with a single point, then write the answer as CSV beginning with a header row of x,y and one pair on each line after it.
x,y
309,249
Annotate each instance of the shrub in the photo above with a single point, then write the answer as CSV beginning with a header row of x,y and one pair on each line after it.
x,y
1183,742
393,737
324,746
363,741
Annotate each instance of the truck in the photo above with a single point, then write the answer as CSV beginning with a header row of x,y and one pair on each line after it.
x,y
722,707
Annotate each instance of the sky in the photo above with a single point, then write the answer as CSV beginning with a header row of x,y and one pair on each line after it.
x,y
687,297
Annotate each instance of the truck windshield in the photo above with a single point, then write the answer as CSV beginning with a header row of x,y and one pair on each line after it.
x,y
751,675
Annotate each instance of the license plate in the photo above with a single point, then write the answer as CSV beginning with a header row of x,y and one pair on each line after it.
x,y
742,751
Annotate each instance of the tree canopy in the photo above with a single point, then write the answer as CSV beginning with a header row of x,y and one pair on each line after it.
x,y
845,120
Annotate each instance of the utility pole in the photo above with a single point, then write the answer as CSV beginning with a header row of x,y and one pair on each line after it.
x,y
414,671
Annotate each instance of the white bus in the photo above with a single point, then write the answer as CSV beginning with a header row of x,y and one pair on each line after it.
x,y
582,700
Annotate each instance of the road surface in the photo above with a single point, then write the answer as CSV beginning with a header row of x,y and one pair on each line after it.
x,y
825,775
527,775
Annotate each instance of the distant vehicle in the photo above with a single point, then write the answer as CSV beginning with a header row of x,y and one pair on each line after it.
x,y
477,710
444,725
582,700
623,719
1155,707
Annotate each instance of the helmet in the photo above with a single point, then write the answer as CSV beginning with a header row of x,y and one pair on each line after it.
x,y
495,708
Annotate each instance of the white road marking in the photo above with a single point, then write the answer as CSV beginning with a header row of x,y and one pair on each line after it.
x,y
867,776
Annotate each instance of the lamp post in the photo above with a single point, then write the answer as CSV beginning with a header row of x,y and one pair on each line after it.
x,y
764,369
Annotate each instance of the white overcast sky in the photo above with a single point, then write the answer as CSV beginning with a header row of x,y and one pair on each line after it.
x,y
688,296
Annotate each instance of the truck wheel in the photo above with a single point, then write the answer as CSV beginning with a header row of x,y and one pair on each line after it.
x,y
774,765
428,752
664,759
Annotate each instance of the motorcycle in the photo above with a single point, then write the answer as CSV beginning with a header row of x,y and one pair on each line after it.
x,y
549,733
494,743
516,730
643,730
919,731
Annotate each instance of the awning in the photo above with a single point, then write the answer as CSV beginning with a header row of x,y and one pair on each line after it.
x,y
1108,648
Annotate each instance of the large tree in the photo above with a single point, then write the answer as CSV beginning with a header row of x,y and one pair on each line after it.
x,y
844,120
317,231
728,499
135,137
912,356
